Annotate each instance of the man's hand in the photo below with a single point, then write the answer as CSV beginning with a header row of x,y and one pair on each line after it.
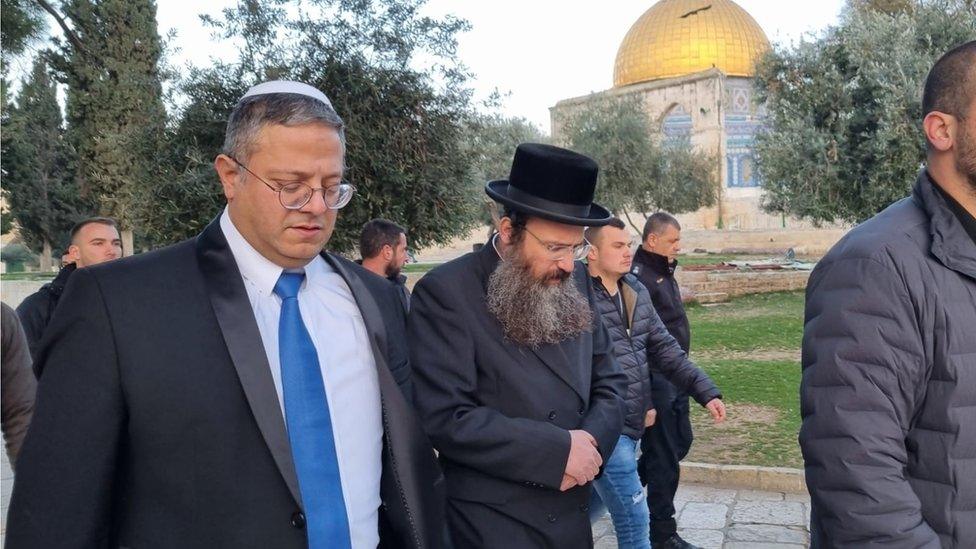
x,y
568,482
650,418
584,460
717,408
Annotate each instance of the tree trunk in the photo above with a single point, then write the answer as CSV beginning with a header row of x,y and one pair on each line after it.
x,y
46,265
127,246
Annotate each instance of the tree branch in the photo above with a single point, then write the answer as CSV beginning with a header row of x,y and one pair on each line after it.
x,y
72,37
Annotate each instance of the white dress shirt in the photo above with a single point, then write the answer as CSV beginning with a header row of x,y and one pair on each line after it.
x,y
336,326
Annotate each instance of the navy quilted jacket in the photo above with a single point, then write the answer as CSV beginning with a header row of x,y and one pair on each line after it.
x,y
646,349
889,382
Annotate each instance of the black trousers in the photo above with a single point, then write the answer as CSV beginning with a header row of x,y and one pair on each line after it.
x,y
663,446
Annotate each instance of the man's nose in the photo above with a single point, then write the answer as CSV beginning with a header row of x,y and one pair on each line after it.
x,y
316,204
566,263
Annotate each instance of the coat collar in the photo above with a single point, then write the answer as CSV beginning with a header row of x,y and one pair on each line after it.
x,y
951,244
656,262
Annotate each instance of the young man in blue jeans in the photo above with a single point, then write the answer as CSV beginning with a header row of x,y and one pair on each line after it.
x,y
642,344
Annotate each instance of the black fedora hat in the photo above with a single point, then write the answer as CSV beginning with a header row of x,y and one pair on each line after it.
x,y
552,183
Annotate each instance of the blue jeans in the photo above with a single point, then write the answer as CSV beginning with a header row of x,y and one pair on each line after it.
x,y
620,491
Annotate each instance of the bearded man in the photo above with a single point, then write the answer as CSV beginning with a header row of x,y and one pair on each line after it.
x,y
515,377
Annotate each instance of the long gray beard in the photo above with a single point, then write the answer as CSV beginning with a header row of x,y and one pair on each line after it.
x,y
533,313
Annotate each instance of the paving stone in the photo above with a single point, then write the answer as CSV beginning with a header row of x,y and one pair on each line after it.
x,y
766,532
712,516
755,495
703,494
603,528
706,539
762,545
783,513
802,498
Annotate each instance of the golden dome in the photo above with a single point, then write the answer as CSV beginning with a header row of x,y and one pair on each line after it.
x,y
679,37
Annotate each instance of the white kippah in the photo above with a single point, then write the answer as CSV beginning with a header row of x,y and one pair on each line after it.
x,y
287,86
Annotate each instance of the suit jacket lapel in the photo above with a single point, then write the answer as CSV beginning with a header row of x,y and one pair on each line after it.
x,y
409,465
230,303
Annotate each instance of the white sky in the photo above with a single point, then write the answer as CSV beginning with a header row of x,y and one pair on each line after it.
x,y
535,51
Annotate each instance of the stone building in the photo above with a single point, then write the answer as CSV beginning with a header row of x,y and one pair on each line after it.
x,y
691,64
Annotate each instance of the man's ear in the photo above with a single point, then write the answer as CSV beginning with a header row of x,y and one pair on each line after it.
x,y
505,230
74,253
387,252
940,130
229,173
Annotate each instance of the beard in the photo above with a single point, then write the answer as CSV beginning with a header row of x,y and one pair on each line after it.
x,y
533,312
966,159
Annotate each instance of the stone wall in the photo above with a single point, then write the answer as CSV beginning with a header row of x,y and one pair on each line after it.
x,y
716,286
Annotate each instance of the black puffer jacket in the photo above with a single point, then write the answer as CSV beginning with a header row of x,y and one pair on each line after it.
x,y
888,395
646,349
35,310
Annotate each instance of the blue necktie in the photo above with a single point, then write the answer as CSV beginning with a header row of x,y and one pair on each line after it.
x,y
309,424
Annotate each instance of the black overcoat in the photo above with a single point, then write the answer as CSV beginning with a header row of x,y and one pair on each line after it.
x,y
500,414
157,423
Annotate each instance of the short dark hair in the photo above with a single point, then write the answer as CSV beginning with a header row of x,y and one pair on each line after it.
x,y
656,223
591,233
376,234
519,220
108,221
950,86
253,113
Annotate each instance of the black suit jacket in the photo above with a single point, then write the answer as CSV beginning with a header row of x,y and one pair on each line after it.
x,y
158,425
500,414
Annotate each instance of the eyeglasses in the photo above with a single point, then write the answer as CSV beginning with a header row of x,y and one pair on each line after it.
x,y
558,252
294,196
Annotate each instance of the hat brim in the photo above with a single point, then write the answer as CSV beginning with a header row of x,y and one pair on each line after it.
x,y
498,191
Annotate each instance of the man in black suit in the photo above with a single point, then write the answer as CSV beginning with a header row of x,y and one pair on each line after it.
x,y
239,389
514,374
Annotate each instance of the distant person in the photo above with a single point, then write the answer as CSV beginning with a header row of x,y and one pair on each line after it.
x,y
664,446
94,240
383,248
240,389
642,346
888,395
17,383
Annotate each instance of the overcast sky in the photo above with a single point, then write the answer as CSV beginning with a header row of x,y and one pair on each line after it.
x,y
536,51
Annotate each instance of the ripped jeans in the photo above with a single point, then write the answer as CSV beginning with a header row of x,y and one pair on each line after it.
x,y
620,491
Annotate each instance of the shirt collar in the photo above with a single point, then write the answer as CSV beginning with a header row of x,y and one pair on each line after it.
x,y
259,270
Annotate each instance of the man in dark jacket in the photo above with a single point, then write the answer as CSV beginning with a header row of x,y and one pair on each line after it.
x,y
383,249
663,447
241,389
94,240
17,383
889,353
641,344
514,375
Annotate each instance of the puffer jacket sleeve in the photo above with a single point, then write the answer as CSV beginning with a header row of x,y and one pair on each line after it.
x,y
863,375
666,357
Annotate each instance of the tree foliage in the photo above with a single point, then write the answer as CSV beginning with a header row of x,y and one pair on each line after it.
x,y
639,171
405,121
115,111
21,24
37,181
842,137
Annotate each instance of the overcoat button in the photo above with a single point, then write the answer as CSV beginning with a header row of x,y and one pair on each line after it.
x,y
584,508
552,415
298,520
581,411
551,518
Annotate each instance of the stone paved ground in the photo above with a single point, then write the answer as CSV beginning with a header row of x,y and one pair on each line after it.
x,y
720,518
714,518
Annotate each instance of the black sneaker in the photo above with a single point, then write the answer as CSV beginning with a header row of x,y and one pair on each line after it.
x,y
675,542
